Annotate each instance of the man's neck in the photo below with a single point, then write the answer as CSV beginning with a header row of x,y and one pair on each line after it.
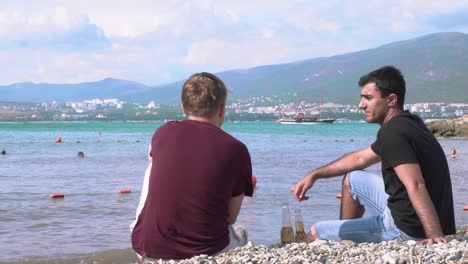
x,y
210,120
391,114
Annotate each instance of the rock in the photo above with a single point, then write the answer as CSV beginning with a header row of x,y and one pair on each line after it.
x,y
347,242
457,127
318,243
387,258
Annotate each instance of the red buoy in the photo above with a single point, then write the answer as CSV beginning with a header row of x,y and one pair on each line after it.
x,y
338,196
124,191
465,207
58,140
57,195
99,132
254,181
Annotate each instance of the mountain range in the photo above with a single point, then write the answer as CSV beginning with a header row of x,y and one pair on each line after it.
x,y
435,68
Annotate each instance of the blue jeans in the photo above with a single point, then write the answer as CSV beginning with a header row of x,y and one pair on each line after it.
x,y
376,226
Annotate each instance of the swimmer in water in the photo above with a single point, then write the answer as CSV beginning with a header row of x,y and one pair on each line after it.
x,y
453,153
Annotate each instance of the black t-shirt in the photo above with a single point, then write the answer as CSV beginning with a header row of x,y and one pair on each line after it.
x,y
405,139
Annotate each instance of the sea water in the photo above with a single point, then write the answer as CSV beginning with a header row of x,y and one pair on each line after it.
x,y
92,221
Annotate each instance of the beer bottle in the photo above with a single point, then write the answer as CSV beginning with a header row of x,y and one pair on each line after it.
x,y
300,234
287,232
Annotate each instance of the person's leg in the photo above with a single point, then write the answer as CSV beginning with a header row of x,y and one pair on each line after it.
x,y
349,208
374,228
238,237
363,191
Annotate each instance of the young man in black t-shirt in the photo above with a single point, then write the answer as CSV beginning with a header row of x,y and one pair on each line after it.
x,y
413,199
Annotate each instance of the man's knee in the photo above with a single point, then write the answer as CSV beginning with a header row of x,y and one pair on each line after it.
x,y
241,235
346,186
350,178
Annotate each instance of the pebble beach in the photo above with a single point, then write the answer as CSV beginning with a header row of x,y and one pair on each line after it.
x,y
321,251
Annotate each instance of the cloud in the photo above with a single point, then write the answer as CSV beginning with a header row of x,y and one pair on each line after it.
x,y
164,17
53,29
218,53
161,41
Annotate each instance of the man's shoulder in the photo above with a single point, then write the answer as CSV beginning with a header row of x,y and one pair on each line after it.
x,y
167,126
233,140
402,117
402,123
405,117
169,123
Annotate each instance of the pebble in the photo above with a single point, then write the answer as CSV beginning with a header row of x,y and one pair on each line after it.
x,y
322,251
318,243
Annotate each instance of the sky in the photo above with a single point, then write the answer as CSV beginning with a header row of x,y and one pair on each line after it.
x,y
161,41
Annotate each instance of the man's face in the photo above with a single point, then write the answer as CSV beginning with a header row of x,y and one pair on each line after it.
x,y
375,107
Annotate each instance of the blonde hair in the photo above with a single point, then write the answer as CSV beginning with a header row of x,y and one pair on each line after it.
x,y
203,94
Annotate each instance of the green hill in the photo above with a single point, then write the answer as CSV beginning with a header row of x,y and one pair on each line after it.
x,y
435,68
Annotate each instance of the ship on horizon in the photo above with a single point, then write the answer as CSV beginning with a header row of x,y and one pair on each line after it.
x,y
301,118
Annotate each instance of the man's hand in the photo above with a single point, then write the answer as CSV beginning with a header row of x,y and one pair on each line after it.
x,y
300,189
433,240
411,176
352,161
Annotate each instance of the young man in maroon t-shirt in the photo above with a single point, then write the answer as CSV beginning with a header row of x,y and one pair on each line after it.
x,y
198,179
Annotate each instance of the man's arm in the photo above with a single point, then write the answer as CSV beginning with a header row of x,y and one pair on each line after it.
x,y
150,158
410,175
353,161
234,208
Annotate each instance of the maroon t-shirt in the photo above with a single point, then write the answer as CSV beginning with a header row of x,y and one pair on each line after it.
x,y
197,168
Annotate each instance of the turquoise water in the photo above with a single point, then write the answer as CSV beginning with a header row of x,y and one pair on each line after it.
x,y
93,217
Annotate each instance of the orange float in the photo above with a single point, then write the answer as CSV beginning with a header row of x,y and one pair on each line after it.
x,y
338,196
254,181
58,140
57,195
465,207
124,191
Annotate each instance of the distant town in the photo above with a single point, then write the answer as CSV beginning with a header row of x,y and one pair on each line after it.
x,y
252,109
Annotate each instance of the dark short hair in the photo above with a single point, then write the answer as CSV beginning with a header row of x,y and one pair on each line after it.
x,y
203,94
388,80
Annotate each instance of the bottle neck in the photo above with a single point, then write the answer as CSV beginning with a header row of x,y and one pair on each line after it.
x,y
299,222
286,218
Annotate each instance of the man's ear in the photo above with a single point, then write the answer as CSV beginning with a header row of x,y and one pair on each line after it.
x,y
392,99
183,110
222,110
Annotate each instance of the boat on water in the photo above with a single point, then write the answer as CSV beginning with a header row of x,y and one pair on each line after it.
x,y
304,119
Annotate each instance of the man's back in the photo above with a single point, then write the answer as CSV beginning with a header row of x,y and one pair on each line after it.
x,y
196,170
405,139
